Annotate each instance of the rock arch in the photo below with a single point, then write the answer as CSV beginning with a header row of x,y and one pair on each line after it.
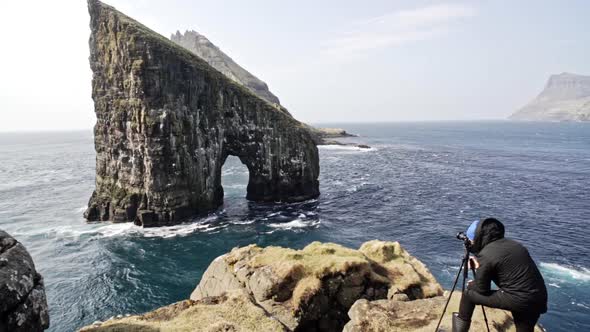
x,y
166,122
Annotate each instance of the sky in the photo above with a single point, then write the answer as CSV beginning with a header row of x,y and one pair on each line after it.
x,y
331,61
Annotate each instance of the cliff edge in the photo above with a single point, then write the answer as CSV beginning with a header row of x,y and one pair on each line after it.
x,y
167,121
566,97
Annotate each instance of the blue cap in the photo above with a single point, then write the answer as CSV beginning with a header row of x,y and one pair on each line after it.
x,y
471,230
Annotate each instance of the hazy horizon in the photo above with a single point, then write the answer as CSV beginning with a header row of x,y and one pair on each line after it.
x,y
328,63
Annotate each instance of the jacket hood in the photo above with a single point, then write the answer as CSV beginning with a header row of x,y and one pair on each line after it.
x,y
488,230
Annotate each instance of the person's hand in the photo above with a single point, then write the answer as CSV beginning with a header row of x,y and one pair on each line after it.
x,y
473,263
469,284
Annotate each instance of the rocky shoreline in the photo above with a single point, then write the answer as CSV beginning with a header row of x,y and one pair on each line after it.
x,y
322,287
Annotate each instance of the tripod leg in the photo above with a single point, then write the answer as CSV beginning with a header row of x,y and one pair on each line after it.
x,y
451,294
465,270
485,318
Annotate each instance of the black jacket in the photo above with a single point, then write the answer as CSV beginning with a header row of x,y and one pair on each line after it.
x,y
508,264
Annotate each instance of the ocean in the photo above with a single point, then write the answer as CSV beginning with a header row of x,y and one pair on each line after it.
x,y
419,184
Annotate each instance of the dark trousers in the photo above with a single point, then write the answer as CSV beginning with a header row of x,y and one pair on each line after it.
x,y
524,320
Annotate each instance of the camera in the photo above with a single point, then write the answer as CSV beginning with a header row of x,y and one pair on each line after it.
x,y
463,237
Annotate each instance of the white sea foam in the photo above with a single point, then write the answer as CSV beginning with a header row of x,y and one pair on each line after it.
x,y
578,274
243,222
297,223
234,186
347,148
123,229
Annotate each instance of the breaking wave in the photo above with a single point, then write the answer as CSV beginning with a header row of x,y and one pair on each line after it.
x,y
297,223
566,273
348,148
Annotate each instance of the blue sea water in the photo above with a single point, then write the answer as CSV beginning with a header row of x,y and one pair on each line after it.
x,y
419,184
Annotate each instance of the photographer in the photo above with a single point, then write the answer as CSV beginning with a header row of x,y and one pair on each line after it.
x,y
508,264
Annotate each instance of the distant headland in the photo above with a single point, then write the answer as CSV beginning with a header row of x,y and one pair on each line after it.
x,y
566,97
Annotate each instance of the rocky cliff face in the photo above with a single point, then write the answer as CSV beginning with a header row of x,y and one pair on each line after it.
x,y
167,121
566,97
201,46
23,306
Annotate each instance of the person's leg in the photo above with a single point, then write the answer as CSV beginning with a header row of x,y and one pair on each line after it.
x,y
495,299
525,321
472,298
466,307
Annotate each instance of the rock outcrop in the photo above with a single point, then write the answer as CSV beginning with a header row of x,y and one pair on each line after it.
x,y
167,121
566,97
325,136
23,306
313,288
421,316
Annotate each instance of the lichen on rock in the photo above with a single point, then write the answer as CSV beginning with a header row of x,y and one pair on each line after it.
x,y
231,312
313,288
167,121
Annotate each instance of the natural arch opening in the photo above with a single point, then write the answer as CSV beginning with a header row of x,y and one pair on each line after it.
x,y
234,178
234,183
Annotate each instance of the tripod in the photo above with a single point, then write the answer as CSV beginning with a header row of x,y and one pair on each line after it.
x,y
464,267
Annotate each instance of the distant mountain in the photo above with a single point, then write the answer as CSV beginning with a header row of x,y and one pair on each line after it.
x,y
566,97
206,50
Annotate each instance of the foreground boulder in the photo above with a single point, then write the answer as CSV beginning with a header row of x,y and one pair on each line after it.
x,y
167,121
23,306
421,316
313,288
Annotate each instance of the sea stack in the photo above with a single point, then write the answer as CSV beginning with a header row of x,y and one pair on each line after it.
x,y
167,121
